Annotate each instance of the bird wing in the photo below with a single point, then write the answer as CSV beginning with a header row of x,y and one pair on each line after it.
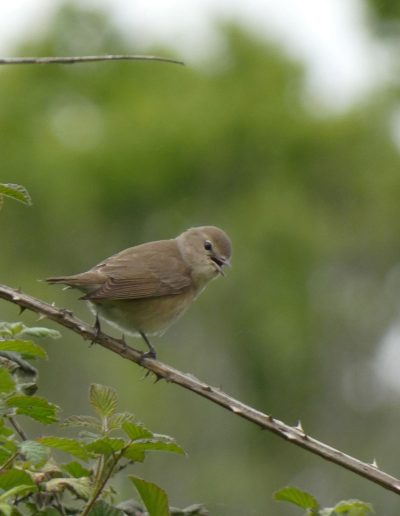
x,y
148,270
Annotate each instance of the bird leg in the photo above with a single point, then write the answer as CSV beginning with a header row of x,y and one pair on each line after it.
x,y
152,352
97,328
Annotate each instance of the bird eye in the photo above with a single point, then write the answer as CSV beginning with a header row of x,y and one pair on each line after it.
x,y
207,245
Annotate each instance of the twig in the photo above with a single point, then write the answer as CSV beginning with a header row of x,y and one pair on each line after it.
x,y
84,59
295,435
17,428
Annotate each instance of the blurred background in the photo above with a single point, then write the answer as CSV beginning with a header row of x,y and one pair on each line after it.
x,y
284,130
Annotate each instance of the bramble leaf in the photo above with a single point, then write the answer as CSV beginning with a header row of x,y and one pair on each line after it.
x,y
103,399
136,431
67,445
106,445
156,445
353,508
16,192
83,422
297,497
34,452
25,347
15,477
7,382
36,407
117,420
40,332
102,508
80,486
154,498
76,470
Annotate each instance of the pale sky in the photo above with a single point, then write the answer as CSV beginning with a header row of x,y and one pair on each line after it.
x,y
342,61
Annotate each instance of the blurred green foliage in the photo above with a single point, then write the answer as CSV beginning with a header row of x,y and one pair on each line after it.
x,y
115,154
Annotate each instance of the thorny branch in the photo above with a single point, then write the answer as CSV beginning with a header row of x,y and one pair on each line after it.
x,y
293,434
83,59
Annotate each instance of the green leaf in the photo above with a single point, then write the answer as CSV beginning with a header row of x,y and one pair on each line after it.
x,y
34,452
16,192
67,445
83,422
49,511
106,445
154,498
102,508
6,510
103,399
40,332
136,431
132,453
353,508
195,509
297,497
156,445
7,383
117,420
25,347
14,478
76,470
17,490
79,486
36,407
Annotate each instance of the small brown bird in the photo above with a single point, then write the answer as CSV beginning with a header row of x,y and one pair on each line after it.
x,y
144,289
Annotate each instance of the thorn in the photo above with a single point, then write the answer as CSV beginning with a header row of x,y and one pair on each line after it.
x,y
146,374
299,427
41,317
158,377
22,309
374,464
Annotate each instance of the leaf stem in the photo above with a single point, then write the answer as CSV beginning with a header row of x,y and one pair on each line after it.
x,y
101,481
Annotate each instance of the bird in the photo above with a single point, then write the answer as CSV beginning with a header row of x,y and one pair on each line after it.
x,y
142,290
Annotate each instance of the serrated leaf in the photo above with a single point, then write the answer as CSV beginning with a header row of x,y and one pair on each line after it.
x,y
106,445
17,490
154,498
34,452
102,508
79,486
297,497
7,383
25,347
36,407
195,510
103,399
40,332
14,478
67,445
6,510
16,192
5,454
116,421
49,511
353,508
83,422
76,470
136,431
133,454
155,445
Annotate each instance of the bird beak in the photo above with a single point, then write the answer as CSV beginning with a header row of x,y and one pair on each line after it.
x,y
220,262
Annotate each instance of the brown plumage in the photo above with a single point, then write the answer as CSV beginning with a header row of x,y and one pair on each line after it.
x,y
144,289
